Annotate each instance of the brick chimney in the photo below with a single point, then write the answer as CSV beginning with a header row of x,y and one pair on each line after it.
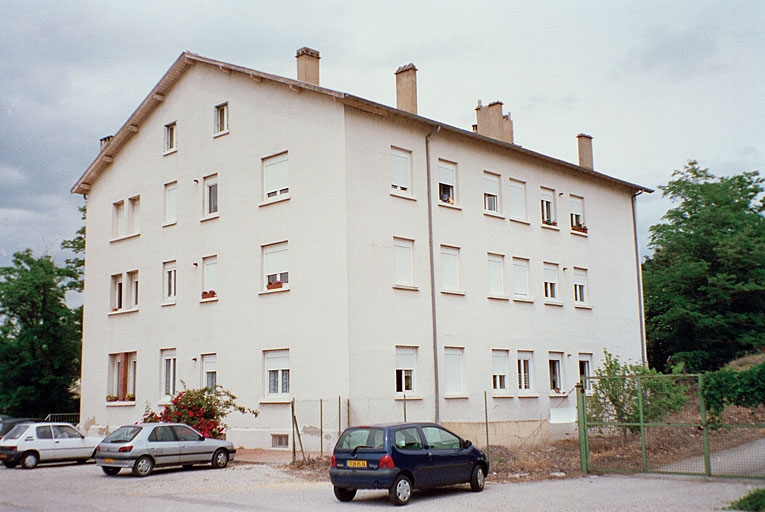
x,y
308,65
491,122
585,150
406,88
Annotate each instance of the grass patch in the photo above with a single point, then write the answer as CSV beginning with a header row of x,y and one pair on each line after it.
x,y
752,502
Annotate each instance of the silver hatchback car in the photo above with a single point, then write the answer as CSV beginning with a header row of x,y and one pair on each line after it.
x,y
143,447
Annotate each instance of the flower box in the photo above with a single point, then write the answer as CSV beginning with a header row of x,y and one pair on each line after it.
x,y
211,294
550,222
580,228
273,286
111,398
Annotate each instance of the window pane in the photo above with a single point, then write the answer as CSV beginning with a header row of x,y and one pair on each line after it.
x,y
171,202
276,175
517,199
495,285
447,173
402,254
450,268
400,169
453,370
520,277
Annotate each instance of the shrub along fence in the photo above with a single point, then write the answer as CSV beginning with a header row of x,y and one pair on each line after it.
x,y
659,424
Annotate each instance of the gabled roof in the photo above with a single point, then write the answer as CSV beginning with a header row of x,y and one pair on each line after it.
x,y
187,60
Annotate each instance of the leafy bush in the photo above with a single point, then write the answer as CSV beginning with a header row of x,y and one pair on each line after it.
x,y
619,389
752,502
743,388
203,409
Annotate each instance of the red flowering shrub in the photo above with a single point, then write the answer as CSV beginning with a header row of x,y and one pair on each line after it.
x,y
203,409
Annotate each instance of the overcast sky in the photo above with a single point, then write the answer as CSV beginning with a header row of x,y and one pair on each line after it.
x,y
655,83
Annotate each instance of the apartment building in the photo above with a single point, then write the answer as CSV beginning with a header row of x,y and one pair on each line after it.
x,y
295,243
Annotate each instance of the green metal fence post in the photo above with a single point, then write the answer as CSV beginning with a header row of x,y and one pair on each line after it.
x,y
704,428
642,423
584,449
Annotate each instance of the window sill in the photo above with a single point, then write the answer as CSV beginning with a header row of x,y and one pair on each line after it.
x,y
525,300
168,303
582,306
557,395
498,297
528,395
170,152
402,398
553,303
519,221
453,292
450,206
496,215
578,233
403,195
123,311
407,287
456,397
550,226
502,395
274,290
209,299
124,237
212,216
274,200
220,134
171,223
274,401
121,403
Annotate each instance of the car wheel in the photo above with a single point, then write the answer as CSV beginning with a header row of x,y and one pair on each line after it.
x,y
110,471
401,491
220,459
30,460
10,464
344,494
143,466
477,479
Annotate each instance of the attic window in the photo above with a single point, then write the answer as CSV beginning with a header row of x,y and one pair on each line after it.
x,y
221,119
170,138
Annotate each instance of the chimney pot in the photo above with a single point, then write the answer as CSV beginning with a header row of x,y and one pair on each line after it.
x,y
308,65
105,141
585,150
406,88
491,122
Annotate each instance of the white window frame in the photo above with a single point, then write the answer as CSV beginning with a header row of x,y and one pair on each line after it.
x,y
171,137
169,376
517,200
221,119
555,372
447,182
134,215
277,366
211,199
209,370
210,276
276,273
126,216
491,193
406,370
495,270
450,269
276,177
547,206
525,371
403,262
576,213
580,286
499,373
116,362
117,292
401,171
132,291
171,203
585,370
521,279
453,371
170,281
550,282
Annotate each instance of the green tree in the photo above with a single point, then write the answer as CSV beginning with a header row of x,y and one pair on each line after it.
x,y
704,284
39,337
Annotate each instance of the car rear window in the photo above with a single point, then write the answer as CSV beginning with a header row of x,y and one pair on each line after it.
x,y
123,434
362,437
16,432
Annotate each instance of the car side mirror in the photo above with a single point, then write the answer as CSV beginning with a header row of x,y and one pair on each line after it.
x,y
467,444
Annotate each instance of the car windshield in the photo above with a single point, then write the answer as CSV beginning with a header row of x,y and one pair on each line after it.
x,y
123,434
16,432
362,437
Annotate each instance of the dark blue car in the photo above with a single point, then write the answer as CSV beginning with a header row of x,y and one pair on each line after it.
x,y
402,457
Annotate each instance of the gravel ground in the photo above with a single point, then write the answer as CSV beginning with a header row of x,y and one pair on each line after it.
x,y
261,487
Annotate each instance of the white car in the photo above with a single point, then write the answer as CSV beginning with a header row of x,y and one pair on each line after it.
x,y
31,443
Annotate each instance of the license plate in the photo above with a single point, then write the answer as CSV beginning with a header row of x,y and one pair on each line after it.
x,y
357,463
4,456
109,461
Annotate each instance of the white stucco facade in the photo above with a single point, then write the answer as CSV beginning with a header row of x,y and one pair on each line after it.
x,y
357,325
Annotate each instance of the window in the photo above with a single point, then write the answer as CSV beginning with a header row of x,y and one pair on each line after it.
x,y
408,439
547,202
400,170
276,266
438,438
499,370
453,370
555,365
132,279
576,213
580,286
585,363
447,182
276,176
280,440
168,373
403,261
117,292
124,291
121,375
210,277
520,278
221,119
524,370
211,195
277,372
490,192
517,200
169,272
495,266
170,138
551,280
171,202
406,359
210,370
450,268
126,217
